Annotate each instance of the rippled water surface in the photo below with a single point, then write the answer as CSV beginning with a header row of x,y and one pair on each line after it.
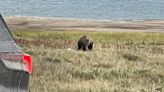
x,y
87,9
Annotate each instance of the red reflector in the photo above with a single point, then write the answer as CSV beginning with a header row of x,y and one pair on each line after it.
x,y
27,59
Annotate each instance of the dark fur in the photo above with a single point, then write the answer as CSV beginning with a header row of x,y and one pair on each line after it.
x,y
90,46
85,43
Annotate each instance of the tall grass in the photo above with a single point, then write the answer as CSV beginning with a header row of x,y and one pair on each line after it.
x,y
119,62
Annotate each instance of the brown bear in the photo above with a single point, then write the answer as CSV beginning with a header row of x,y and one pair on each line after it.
x,y
85,43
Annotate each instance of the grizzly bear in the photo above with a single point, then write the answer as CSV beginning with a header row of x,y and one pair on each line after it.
x,y
85,43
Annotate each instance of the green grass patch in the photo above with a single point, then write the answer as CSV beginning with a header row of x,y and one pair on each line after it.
x,y
119,62
112,37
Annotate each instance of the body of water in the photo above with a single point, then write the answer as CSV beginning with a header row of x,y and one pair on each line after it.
x,y
85,9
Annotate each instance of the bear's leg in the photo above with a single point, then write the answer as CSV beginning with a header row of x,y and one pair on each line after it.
x,y
79,46
90,46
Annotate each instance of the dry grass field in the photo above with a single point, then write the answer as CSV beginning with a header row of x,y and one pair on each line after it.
x,y
119,62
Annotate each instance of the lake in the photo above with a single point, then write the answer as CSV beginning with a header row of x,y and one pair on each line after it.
x,y
85,9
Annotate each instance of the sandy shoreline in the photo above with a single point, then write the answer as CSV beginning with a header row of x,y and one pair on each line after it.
x,y
54,24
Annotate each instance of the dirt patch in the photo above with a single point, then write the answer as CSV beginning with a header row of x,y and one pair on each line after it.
x,y
49,23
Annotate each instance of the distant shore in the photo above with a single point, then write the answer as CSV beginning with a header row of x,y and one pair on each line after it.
x,y
57,24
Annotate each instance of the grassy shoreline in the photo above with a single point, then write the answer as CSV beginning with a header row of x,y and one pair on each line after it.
x,y
119,62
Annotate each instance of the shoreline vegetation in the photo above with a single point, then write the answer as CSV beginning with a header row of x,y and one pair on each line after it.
x,y
127,56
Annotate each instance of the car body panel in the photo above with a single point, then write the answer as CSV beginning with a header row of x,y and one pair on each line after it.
x,y
9,46
12,80
13,76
